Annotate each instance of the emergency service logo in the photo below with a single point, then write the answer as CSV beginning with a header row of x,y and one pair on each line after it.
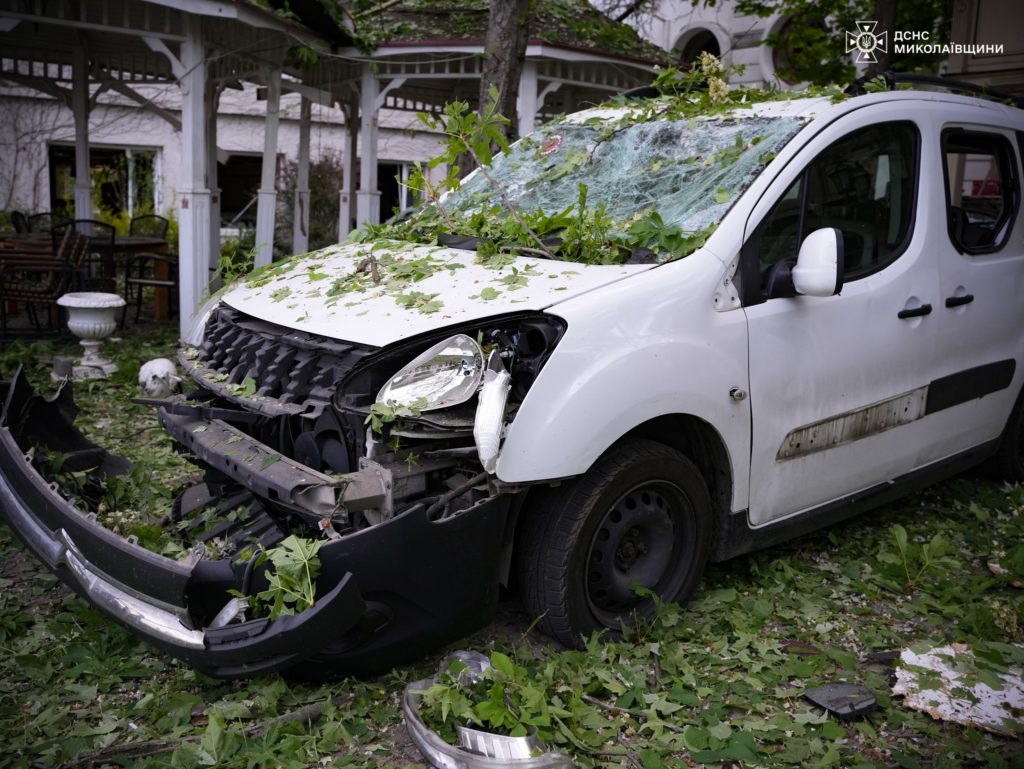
x,y
865,41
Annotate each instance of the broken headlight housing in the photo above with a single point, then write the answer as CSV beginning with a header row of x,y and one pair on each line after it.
x,y
447,369
447,374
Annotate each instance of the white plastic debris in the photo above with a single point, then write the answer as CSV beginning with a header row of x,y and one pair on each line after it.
x,y
477,749
490,412
159,377
944,682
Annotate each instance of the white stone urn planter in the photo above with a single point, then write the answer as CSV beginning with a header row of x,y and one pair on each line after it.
x,y
92,317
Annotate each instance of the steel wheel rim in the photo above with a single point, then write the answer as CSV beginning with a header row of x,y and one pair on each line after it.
x,y
644,537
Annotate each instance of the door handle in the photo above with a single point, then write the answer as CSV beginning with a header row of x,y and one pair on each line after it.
x,y
917,312
959,301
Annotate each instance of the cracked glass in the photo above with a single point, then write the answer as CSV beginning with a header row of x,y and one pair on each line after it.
x,y
690,170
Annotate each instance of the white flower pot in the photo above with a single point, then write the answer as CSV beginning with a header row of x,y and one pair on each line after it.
x,y
92,317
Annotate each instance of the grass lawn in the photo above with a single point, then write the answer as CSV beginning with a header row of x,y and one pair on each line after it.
x,y
718,683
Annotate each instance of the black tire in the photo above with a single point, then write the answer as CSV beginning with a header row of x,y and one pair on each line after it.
x,y
1008,462
641,514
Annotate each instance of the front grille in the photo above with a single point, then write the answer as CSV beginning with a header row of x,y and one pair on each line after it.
x,y
291,369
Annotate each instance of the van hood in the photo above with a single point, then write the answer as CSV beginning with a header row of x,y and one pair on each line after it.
x,y
377,294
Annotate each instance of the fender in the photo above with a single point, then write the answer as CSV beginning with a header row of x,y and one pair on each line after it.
x,y
616,368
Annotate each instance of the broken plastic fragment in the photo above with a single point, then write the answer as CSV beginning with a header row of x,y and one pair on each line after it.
x,y
949,684
479,750
843,700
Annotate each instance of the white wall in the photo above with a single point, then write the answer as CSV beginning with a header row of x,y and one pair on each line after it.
x,y
29,120
739,37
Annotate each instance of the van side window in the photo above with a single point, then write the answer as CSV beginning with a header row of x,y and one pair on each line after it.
x,y
865,185
982,192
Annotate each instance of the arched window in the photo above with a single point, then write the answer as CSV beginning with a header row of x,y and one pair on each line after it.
x,y
695,41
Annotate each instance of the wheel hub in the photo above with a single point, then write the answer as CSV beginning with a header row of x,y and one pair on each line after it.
x,y
632,548
633,545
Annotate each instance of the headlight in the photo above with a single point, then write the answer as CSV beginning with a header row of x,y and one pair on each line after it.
x,y
445,375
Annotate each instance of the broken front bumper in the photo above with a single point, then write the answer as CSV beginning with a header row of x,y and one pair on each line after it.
x,y
386,594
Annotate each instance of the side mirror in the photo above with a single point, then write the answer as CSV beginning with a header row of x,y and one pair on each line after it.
x,y
819,265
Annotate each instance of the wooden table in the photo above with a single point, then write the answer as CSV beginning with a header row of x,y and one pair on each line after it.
x,y
29,242
136,244
42,242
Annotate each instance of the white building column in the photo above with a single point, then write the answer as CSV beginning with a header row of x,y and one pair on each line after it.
x,y
527,106
267,202
80,108
194,195
213,91
300,217
348,170
368,197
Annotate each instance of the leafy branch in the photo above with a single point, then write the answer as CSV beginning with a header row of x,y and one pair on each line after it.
x,y
291,586
477,135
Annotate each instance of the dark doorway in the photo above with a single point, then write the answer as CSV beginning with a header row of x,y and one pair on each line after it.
x,y
701,40
239,182
390,190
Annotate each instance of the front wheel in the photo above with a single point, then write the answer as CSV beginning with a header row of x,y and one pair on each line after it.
x,y
640,516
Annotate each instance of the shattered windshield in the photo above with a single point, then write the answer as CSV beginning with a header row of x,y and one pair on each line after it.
x,y
689,171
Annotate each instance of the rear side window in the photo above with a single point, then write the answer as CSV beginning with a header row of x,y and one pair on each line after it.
x,y
865,185
982,190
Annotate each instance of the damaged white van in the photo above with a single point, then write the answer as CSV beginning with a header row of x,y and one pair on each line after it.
x,y
643,339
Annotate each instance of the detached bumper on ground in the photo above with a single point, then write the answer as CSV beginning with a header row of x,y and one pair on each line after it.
x,y
386,594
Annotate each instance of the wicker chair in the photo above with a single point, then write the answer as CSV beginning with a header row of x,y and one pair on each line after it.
x,y
98,272
37,279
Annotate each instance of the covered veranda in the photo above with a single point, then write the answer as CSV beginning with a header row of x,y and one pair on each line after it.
x,y
75,52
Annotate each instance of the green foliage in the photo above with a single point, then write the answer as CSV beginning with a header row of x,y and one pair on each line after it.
x,y
383,414
469,133
120,220
574,23
476,135
666,240
877,85
581,232
811,47
326,174
303,55
508,699
917,560
237,258
589,235
716,683
110,184
291,585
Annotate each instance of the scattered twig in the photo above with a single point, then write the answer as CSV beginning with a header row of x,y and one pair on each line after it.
x,y
505,199
615,710
526,250
371,262
308,713
376,9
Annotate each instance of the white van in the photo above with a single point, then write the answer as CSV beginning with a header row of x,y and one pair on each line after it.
x,y
826,313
